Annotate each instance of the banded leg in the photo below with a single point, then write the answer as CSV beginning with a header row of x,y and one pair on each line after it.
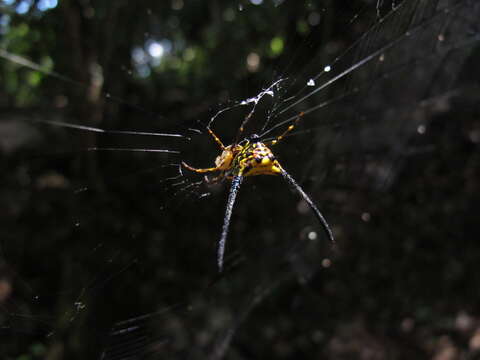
x,y
216,138
201,171
236,182
291,181
290,128
242,126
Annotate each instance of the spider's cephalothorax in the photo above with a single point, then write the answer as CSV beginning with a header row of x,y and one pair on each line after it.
x,y
248,158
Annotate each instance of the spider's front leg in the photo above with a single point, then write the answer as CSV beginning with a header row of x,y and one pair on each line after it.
x,y
201,171
222,162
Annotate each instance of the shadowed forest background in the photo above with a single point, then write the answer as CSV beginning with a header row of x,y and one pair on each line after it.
x,y
111,254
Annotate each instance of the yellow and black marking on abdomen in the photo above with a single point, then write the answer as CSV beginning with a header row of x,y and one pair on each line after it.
x,y
255,159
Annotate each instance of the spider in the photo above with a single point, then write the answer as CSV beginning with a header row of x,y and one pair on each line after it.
x,y
250,157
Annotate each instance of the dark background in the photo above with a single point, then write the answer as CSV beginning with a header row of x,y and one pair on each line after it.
x,y
112,254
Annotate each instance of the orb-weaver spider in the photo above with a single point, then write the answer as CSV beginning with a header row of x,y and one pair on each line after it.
x,y
250,157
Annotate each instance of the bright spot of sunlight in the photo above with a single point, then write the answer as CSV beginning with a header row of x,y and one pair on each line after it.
x,y
150,55
326,263
155,49
139,56
142,61
253,62
366,216
44,5
256,2
23,6
276,45
421,129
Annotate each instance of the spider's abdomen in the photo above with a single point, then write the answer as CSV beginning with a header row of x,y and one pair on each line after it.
x,y
255,159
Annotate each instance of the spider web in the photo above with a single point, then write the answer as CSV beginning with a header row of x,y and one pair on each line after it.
x,y
384,114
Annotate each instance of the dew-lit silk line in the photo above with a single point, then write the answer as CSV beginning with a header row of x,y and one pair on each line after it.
x,y
343,73
133,150
30,64
236,182
99,130
20,60
347,50
326,103
349,70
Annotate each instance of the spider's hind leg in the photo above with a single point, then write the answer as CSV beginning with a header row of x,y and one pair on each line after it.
x,y
236,182
291,181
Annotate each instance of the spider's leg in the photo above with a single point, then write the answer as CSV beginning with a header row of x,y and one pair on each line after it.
x,y
216,138
242,126
237,180
290,128
185,165
291,181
